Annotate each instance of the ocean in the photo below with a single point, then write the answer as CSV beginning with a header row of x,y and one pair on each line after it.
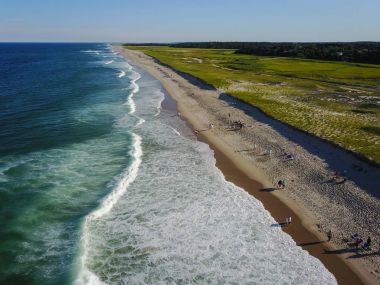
x,y
100,185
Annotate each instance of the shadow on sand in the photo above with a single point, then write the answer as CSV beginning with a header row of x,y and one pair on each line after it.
x,y
278,225
267,190
314,145
312,243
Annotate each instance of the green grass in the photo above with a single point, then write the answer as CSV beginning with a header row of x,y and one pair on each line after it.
x,y
337,101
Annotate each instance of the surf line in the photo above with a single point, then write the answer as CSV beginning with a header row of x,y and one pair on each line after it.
x,y
135,88
121,74
85,276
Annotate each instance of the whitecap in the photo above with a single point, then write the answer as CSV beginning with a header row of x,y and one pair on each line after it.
x,y
121,74
175,131
85,276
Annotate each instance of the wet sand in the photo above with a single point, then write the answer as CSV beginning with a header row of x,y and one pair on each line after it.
x,y
303,237
242,172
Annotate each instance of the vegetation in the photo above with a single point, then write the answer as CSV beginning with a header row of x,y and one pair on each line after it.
x,y
364,52
337,101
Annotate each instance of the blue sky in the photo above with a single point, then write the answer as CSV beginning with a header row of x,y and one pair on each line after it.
x,y
189,20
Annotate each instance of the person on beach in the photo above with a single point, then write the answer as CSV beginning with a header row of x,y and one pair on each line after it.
x,y
290,156
336,175
289,220
358,242
281,184
210,126
329,235
367,245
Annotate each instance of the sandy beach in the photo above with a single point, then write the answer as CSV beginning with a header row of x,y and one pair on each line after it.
x,y
265,151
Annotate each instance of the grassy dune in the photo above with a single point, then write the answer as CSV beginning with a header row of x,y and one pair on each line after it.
x,y
337,101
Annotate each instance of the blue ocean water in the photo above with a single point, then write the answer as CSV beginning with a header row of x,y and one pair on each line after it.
x,y
99,185
60,151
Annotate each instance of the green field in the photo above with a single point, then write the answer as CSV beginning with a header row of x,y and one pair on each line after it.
x,y
337,101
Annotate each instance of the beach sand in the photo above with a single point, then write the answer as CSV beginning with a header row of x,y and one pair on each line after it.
x,y
315,203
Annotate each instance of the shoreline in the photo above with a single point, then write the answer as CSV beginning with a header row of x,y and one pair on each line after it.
x,y
300,234
242,173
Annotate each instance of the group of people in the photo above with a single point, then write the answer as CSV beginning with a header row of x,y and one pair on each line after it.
x,y
288,220
357,241
238,125
290,156
281,184
337,177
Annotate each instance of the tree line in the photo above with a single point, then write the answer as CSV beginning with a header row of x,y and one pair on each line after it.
x,y
361,52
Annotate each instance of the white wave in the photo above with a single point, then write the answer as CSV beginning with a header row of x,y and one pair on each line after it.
x,y
140,122
183,220
127,178
109,62
121,74
135,88
159,102
175,131
85,276
91,51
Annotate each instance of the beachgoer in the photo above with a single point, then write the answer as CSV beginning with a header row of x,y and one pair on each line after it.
x,y
279,184
368,243
354,237
358,242
329,235
336,174
270,152
289,220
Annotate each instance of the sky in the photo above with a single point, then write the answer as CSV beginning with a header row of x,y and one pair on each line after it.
x,y
189,20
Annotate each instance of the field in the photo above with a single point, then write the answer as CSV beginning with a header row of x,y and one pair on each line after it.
x,y
337,101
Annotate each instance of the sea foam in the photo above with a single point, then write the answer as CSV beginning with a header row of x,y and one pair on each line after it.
x,y
121,74
181,222
85,276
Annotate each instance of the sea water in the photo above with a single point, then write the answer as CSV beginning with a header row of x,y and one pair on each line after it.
x,y
99,185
